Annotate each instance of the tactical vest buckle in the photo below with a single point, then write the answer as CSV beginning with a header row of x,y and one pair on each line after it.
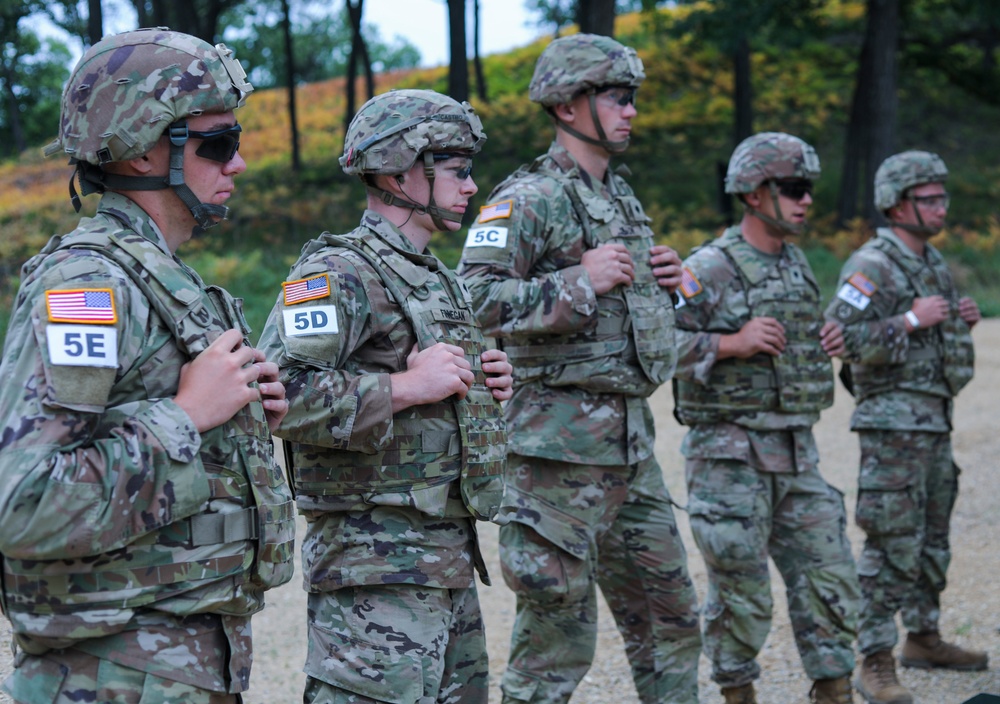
x,y
215,528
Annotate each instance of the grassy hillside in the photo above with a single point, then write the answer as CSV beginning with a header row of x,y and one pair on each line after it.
x,y
682,134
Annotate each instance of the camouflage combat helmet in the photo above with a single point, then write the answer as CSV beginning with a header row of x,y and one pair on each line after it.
x,y
764,158
131,88
903,171
392,130
583,64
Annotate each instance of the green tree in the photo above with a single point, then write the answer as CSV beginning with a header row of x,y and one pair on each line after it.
x,y
321,39
31,76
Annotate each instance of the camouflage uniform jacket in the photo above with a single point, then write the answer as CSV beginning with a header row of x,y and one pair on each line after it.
x,y
583,363
715,301
109,493
901,381
359,470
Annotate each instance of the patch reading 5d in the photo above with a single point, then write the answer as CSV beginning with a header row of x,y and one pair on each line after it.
x,y
853,296
487,237
313,320
82,345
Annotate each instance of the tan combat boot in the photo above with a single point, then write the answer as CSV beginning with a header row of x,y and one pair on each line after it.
x,y
832,691
927,650
743,694
877,682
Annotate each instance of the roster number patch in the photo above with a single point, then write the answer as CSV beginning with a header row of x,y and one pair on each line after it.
x,y
82,345
487,237
853,296
312,320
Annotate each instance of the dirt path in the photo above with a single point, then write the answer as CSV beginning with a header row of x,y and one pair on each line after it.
x,y
970,609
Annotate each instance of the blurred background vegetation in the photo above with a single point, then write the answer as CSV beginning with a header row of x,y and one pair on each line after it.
x,y
716,71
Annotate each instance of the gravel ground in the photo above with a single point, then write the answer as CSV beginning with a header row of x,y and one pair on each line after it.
x,y
971,604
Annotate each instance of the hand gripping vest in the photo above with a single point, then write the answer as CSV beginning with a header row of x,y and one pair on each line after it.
x,y
432,444
240,546
800,379
631,350
941,359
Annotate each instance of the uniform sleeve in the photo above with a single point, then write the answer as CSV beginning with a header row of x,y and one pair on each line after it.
x,y
521,262
333,400
865,304
706,278
89,461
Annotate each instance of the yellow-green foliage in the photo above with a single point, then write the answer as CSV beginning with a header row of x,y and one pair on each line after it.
x,y
683,131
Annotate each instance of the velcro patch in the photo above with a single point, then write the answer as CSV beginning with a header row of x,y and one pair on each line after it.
x,y
690,286
306,289
91,306
487,237
863,283
853,296
82,346
313,320
496,211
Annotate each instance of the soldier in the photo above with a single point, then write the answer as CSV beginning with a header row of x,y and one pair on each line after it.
x,y
142,514
909,349
562,267
753,374
395,428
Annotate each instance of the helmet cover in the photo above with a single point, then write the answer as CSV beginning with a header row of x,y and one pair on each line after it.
x,y
391,130
770,156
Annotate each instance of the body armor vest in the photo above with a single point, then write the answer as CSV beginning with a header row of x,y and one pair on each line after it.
x,y
631,350
431,444
242,545
941,359
800,379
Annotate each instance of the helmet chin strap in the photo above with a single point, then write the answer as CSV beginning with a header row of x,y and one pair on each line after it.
x,y
602,140
779,222
438,215
919,229
93,179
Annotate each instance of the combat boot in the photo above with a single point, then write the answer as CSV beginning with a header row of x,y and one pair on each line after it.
x,y
832,691
927,650
877,682
743,694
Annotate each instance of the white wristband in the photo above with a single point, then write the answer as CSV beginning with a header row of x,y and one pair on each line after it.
x,y
912,319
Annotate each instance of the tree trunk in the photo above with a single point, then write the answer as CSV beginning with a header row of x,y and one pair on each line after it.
x,y
95,21
458,69
596,16
286,26
872,128
742,91
884,16
476,58
354,17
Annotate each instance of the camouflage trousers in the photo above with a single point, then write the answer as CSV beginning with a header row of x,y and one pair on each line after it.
x,y
400,644
739,516
906,492
72,677
578,527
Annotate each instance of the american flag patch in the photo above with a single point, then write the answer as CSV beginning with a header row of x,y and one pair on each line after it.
x,y
306,289
690,286
92,305
496,211
863,284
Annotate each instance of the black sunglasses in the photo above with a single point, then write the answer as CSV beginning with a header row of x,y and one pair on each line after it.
x,y
218,145
796,189
624,95
462,173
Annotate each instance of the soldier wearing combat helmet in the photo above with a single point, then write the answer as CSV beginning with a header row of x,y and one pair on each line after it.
x,y
395,436
909,352
753,374
142,514
563,269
